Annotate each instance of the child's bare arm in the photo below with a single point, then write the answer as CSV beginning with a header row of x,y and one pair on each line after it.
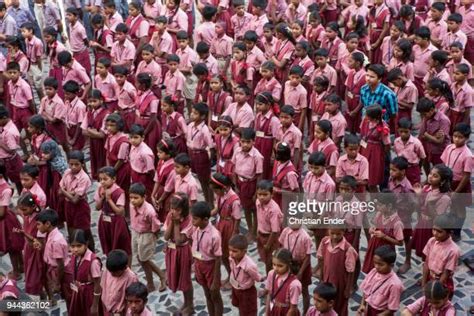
x,y
217,275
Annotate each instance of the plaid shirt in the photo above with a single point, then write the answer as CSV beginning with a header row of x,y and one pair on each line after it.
x,y
383,96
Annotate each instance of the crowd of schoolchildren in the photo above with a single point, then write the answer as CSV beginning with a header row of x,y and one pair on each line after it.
x,y
231,106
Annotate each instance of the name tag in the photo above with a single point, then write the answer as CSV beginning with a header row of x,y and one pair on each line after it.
x,y
350,95
221,163
363,143
171,245
74,287
374,25
197,255
260,134
107,218
315,117
234,283
215,118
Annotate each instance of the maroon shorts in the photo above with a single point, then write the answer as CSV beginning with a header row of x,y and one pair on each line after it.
x,y
200,163
247,191
84,59
245,301
20,117
204,272
13,167
413,174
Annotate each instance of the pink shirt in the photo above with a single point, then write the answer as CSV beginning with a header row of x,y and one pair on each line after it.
x,y
144,219
141,158
206,32
169,184
468,20
95,268
34,49
338,122
438,28
76,112
127,95
187,58
422,59
359,168
405,67
124,149
408,93
412,150
207,242
434,199
78,183
295,96
318,145
55,248
441,255
241,24
179,20
354,10
162,43
113,290
382,291
292,136
328,72
174,82
221,47
235,207
114,20
290,181
188,185
322,187
106,86
211,64
261,119
312,311
4,292
450,38
459,159
417,307
463,96
145,312
294,289
77,35
297,241
152,68
257,24
269,47
5,195
247,165
142,29
76,73
451,67
20,93
387,47
100,189
244,274
122,53
10,140
152,11
296,14
53,107
38,191
350,253
269,217
198,137
443,75
241,116
272,86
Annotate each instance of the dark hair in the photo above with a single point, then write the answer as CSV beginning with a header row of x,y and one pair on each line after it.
x,y
202,108
405,123
247,133
351,35
351,139
444,89
238,3
262,4
440,6
148,48
317,158
297,70
201,210
48,215
455,17
4,113
137,129
265,98
167,146
374,112
240,46
387,198
51,82
444,222
457,45
440,56
38,122
172,58
220,181
13,41
145,79
288,109
76,155
161,19
334,98
268,25
251,36
424,32
97,19
394,74
400,25
378,69
3,6
265,185
79,236
109,4
96,94
72,11
239,242
283,29
424,105
326,291
350,181
50,30
208,12
29,200
463,68
244,88
268,65
137,5
386,253
400,163
360,29
13,65
334,27
446,175
28,25
322,52
180,200
182,35
406,48
120,70
322,81
434,289
200,69
31,170
305,46
325,126
117,260
138,290
183,160
71,86
285,256
108,170
463,129
202,48
137,188
117,119
283,152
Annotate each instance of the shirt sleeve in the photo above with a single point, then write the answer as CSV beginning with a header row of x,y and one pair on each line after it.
x,y
394,297
351,258
252,271
295,292
123,151
95,269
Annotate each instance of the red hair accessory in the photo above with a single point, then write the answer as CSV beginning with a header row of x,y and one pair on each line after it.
x,y
34,197
174,98
177,197
165,144
217,182
383,129
276,108
223,78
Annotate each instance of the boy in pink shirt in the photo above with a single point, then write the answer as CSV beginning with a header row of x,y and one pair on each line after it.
x,y
126,96
34,52
456,51
221,48
141,159
240,111
207,253
136,295
123,51
187,59
463,97
240,20
78,39
436,24
353,163
112,16
74,71
184,180
324,296
454,32
295,11
206,32
75,115
21,97
162,41
10,140
323,69
149,65
117,276
205,57
422,51
28,176
259,18
145,230
174,79
295,95
332,105
55,255
406,91
105,81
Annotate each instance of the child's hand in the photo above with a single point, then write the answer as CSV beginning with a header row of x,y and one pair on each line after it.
x,y
108,195
37,244
379,234
361,310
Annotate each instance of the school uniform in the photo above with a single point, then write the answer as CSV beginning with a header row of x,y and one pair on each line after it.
x,y
451,37
380,15
151,12
467,28
123,52
38,191
312,311
55,69
75,114
142,166
247,167
292,136
22,60
354,82
105,38
78,215
113,290
55,248
300,244
283,50
272,86
298,13
422,307
174,83
164,177
112,228
10,139
321,188
408,94
297,98
147,105
187,58
451,67
206,32
242,116
163,42
442,75
257,24
338,123
186,184
243,276
329,72
55,108
284,290
335,48
154,69
138,27
438,28
76,73
221,48
117,148
126,101
20,94
80,52
339,261
413,151
463,101
269,220
107,87
113,20
381,292
34,52
229,210
266,127
438,123
255,58
218,103
239,71
10,242
268,46
285,179
211,64
178,19
206,247
175,128
358,168
43,181
225,150
241,24
421,65
145,225
406,67
8,289
199,141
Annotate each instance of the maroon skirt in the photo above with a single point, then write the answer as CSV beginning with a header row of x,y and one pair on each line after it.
x,y
350,237
245,301
376,157
265,147
376,53
97,156
112,106
370,311
413,174
180,143
114,234
35,270
247,191
13,167
52,195
57,131
353,123
21,117
153,136
84,59
123,177
57,73
469,50
200,163
128,117
422,233
226,228
262,240
419,84
374,243
307,274
10,242
78,215
204,272
80,141
178,267
455,118
144,178
81,300
163,212
330,15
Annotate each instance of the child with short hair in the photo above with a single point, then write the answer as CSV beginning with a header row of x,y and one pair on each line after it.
x,y
112,227
207,253
55,256
161,41
436,298
149,65
295,95
332,113
422,51
269,222
324,296
187,58
383,281
244,274
205,57
269,83
103,38
34,52
290,134
324,69
337,262
316,103
184,181
285,177
145,230
21,97
28,177
239,68
203,85
406,91
52,50
221,47
206,32
141,159
136,295
75,115
463,95
456,52
455,34
322,142
226,144
355,219
53,110
240,111
353,163
115,279
437,66
123,50
78,38
240,20
174,80
72,70
248,168
255,57
8,152
126,96
178,257
436,23
259,18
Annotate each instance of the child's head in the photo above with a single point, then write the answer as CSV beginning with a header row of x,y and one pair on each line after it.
x,y
323,130
436,293
321,84
76,161
374,113
404,128
264,191
71,90
324,296
239,7
28,204
352,41
438,59
117,262
13,70
182,164
166,149
258,7
136,135
461,134
13,44
456,51
199,112
247,139
302,48
439,88
398,167
335,235
296,75
4,115
3,9
286,115
183,39
461,73
148,53
172,60
97,21
50,150
351,145
347,186
241,93
144,81
386,202
297,28
283,32
202,48
441,177
423,35
374,74
238,245
179,205
47,220
50,34
220,183
225,126
172,4
396,77
208,12
426,108
437,10
268,29
134,8
321,57
454,22
161,22
283,152
28,175
120,73
121,31
384,258
201,212
109,7
332,30
72,14
264,102
250,39
407,13
136,295
397,30
107,177
443,226
317,163
78,243
36,125
95,99
239,51
201,71
332,103
28,30
216,83
137,194
357,24
169,104
50,86
267,69
114,123
282,262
